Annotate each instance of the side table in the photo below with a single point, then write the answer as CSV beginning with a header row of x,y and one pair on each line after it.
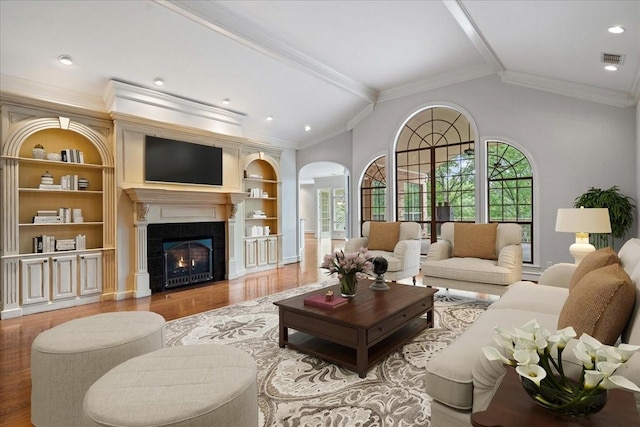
x,y
511,406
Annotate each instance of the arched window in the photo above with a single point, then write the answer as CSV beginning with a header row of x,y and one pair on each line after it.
x,y
510,190
373,191
435,170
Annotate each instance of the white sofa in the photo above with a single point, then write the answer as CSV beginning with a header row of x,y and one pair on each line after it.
x,y
461,380
403,255
491,276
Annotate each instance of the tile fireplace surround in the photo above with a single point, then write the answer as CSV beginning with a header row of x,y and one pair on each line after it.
x,y
172,206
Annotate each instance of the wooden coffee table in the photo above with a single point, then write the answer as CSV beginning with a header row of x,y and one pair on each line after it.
x,y
360,333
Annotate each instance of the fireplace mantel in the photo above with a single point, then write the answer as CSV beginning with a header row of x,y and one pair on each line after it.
x,y
166,196
146,196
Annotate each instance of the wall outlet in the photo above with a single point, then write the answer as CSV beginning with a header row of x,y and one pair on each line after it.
x,y
549,264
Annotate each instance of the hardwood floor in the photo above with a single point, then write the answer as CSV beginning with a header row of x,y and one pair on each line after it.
x,y
16,335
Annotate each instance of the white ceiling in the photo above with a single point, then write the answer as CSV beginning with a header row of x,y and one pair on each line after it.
x,y
320,63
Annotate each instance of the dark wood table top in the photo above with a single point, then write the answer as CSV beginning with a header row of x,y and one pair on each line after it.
x,y
366,308
512,407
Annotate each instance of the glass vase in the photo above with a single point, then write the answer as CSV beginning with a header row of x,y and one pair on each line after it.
x,y
566,400
348,285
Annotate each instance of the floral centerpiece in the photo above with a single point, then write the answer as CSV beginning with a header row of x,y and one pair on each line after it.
x,y
350,267
530,348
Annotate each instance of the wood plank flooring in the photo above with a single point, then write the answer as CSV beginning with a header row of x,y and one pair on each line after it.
x,y
16,335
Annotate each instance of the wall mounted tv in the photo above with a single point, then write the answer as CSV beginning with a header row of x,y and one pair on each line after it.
x,y
167,160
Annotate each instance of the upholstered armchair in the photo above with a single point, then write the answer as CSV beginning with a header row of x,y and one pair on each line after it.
x,y
483,258
397,242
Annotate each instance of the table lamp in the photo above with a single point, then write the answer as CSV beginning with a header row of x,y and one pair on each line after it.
x,y
583,221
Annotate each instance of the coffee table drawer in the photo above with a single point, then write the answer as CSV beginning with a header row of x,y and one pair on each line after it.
x,y
331,331
396,321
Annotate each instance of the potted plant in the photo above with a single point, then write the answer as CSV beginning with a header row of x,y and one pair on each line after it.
x,y
621,212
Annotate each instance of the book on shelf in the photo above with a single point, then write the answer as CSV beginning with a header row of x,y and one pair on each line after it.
x,y
47,219
45,212
50,187
66,245
320,300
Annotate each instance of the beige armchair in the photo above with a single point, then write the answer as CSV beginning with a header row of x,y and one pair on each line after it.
x,y
397,242
482,258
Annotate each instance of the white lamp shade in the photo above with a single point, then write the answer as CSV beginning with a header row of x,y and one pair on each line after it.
x,y
583,220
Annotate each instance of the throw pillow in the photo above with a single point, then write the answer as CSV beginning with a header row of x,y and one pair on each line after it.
x,y
475,240
600,304
593,260
383,236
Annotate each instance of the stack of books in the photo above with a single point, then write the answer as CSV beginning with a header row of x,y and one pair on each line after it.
x,y
71,155
44,243
258,214
69,182
47,217
81,242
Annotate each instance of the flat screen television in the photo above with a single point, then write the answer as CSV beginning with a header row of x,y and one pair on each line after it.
x,y
167,160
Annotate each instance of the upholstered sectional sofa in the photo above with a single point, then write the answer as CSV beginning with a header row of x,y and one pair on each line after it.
x,y
461,380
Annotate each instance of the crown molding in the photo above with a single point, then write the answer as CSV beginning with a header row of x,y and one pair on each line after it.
x,y
50,94
368,109
576,90
436,82
227,23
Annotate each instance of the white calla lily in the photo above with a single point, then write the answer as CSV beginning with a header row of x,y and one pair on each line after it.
x,y
618,381
592,379
492,353
533,372
526,357
626,351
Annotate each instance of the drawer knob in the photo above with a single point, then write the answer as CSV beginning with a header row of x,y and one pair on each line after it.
x,y
380,329
404,314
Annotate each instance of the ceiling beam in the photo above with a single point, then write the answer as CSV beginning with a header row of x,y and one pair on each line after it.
x,y
229,24
463,18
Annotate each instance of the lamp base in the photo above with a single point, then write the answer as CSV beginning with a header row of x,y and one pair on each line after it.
x,y
580,250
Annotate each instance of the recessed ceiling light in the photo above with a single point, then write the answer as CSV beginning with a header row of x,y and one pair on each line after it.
x,y
616,29
269,118
226,101
65,60
158,81
307,128
611,68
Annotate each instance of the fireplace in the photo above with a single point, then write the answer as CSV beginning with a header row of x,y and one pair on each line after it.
x,y
187,262
182,254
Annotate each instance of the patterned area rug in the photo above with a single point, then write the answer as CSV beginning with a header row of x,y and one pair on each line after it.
x,y
299,390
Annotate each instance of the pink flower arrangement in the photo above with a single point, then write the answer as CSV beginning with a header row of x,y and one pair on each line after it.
x,y
358,263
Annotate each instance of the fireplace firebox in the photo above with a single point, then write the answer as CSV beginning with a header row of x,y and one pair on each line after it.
x,y
187,261
159,234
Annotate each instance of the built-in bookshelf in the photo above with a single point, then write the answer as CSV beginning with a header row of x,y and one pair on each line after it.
x,y
58,243
262,208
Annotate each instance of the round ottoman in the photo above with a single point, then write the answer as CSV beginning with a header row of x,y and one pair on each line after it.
x,y
68,358
196,385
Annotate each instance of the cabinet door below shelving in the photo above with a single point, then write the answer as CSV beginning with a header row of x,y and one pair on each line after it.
x,y
65,276
91,273
34,280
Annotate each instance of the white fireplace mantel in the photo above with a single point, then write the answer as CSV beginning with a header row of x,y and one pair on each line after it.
x,y
145,196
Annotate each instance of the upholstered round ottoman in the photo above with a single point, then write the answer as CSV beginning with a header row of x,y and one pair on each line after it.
x,y
196,385
68,358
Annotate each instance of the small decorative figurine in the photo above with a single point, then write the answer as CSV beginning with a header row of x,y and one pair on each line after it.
x,y
329,296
